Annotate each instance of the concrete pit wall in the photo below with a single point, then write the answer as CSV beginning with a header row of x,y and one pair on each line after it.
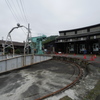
x,y
81,62
17,62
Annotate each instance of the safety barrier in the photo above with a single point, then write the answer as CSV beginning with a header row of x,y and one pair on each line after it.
x,y
21,61
3,57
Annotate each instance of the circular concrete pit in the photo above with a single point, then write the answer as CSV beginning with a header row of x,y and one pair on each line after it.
x,y
36,81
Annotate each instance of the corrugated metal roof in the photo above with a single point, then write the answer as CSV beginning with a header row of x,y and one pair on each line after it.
x,y
14,43
79,28
79,35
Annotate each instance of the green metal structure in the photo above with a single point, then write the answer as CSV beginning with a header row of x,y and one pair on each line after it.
x,y
36,44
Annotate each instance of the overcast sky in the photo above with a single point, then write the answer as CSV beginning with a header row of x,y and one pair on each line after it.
x,y
46,16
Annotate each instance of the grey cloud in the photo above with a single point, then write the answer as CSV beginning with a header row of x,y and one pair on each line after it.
x,y
50,16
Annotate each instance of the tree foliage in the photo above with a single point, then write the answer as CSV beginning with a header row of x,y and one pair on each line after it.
x,y
17,51
49,39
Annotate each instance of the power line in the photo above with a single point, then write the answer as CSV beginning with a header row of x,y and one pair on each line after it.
x,y
17,12
23,31
20,9
11,9
23,11
15,8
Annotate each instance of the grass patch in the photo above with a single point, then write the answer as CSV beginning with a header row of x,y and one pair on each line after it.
x,y
94,92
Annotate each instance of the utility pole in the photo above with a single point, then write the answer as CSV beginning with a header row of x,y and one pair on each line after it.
x,y
28,44
28,40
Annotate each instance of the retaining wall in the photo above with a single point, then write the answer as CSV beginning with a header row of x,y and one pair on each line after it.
x,y
81,62
21,61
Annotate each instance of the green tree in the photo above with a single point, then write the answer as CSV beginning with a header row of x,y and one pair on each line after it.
x,y
48,39
17,51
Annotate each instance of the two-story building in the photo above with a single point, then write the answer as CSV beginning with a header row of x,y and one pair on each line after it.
x,y
77,40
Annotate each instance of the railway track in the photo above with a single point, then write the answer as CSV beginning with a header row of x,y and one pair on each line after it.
x,y
39,81
76,76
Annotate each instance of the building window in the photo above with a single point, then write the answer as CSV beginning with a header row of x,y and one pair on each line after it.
x,y
60,40
82,47
75,32
70,39
95,47
71,48
65,34
66,40
87,37
81,38
94,37
88,30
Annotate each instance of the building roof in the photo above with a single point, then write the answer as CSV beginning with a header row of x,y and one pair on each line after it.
x,y
79,35
14,43
79,28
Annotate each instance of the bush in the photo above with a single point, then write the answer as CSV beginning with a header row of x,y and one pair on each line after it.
x,y
17,51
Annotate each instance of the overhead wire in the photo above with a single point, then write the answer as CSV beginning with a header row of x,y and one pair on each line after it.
x,y
16,9
20,9
13,10
23,11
